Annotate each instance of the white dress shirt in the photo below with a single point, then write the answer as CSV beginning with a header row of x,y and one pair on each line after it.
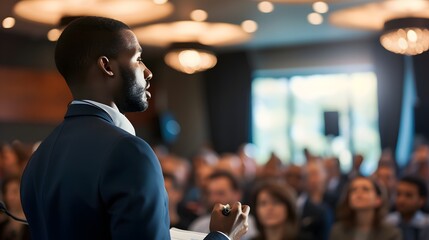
x,y
119,119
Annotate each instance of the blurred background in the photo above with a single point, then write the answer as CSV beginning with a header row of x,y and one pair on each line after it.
x,y
286,105
290,77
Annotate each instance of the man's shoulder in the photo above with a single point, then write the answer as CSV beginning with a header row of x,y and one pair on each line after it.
x,y
215,236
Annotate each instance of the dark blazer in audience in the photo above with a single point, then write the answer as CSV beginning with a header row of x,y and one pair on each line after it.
x,y
315,220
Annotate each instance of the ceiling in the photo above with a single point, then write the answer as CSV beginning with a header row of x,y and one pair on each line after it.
x,y
287,25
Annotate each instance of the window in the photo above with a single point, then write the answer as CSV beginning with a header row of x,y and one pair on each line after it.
x,y
288,116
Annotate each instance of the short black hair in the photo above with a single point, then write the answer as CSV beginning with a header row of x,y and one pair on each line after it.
x,y
418,182
83,41
233,181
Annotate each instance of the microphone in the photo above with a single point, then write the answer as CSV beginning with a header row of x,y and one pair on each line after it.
x,y
4,209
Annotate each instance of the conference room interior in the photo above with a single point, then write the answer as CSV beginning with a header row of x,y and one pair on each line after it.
x,y
310,107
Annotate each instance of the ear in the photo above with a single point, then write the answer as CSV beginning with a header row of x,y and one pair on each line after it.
x,y
105,66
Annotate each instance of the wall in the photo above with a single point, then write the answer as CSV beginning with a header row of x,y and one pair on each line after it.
x,y
320,56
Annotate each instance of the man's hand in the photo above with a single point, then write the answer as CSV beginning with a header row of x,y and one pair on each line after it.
x,y
235,224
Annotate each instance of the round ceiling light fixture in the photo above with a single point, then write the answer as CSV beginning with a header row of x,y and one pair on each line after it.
x,y
408,36
206,33
130,12
403,24
190,57
188,41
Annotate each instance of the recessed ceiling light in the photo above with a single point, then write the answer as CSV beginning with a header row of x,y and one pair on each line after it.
x,y
265,7
131,12
199,15
315,18
54,34
249,26
320,7
8,22
160,1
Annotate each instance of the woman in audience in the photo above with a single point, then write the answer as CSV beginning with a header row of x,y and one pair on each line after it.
x,y
10,229
275,212
361,213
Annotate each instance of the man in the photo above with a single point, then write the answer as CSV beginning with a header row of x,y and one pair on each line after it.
x,y
293,176
92,178
386,177
316,215
356,167
411,194
335,182
175,195
222,187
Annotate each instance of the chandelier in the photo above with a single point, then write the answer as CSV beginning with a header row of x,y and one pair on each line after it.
x,y
408,36
404,24
189,42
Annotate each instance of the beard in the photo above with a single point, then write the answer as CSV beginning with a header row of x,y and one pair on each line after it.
x,y
131,97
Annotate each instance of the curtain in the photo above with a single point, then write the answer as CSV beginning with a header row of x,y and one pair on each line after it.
x,y
228,94
389,68
421,73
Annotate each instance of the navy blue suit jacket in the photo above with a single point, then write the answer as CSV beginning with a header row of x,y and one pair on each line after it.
x,y
92,180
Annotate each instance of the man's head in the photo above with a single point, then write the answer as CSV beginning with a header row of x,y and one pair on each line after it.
x,y
411,194
386,176
357,161
294,176
332,166
174,189
100,59
222,187
315,176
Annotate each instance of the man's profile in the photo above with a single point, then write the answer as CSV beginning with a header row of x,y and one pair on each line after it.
x,y
92,178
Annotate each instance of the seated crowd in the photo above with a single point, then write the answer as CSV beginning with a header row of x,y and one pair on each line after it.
x,y
313,201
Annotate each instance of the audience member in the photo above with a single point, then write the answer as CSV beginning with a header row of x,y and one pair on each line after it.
x,y
249,167
224,188
361,213
316,216
23,153
335,181
411,195
10,163
275,213
356,167
177,166
419,166
294,176
385,175
10,229
203,166
273,168
230,162
175,195
419,163
247,153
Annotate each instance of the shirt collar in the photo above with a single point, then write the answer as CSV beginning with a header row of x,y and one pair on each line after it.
x,y
119,119
420,219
